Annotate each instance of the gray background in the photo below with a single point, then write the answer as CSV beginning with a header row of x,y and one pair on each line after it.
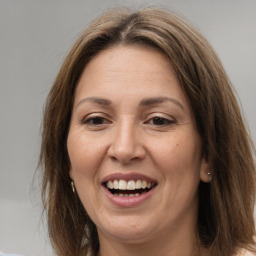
x,y
34,38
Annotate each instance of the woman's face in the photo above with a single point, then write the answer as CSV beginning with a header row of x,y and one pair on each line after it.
x,y
132,127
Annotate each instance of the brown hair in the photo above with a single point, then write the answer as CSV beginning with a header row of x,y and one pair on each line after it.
x,y
225,219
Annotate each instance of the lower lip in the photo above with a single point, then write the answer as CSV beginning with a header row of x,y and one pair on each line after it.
x,y
128,201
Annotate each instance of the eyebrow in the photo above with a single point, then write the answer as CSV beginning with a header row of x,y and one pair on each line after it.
x,y
144,102
157,100
100,101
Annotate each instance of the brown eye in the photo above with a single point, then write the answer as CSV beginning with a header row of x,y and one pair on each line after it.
x,y
160,121
96,120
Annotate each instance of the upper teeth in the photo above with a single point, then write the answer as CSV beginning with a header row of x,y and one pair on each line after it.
x,y
129,185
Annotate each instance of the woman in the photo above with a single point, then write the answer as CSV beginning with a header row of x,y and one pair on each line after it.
x,y
144,149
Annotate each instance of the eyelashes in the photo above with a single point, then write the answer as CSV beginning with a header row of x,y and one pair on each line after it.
x,y
95,120
160,121
98,121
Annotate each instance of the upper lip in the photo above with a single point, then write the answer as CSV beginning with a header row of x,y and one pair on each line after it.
x,y
127,177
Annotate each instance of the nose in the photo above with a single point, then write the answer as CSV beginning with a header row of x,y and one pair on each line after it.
x,y
126,144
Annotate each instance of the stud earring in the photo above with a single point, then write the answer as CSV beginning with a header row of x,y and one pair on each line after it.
x,y
73,186
209,176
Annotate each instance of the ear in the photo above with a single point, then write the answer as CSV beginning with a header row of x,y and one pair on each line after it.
x,y
205,171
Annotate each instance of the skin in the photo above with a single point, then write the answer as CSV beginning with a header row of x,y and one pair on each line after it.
x,y
128,138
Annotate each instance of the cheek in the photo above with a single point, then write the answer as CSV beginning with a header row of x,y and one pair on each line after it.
x,y
178,156
85,155
85,158
180,163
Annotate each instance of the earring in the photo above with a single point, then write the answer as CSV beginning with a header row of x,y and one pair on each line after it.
x,y
73,186
209,176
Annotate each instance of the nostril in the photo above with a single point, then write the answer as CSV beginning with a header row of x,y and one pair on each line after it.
x,y
126,146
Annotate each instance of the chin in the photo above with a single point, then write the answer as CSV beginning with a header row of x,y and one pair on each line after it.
x,y
127,229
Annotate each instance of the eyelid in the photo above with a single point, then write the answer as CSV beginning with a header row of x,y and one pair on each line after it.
x,y
160,115
170,120
161,118
91,116
87,120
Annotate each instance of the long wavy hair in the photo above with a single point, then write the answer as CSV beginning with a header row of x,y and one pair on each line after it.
x,y
225,215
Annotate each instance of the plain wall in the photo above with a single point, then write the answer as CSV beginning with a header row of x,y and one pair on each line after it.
x,y
34,38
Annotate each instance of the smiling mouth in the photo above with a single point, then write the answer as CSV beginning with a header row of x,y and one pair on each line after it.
x,y
131,188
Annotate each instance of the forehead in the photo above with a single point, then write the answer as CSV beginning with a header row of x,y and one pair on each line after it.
x,y
129,72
